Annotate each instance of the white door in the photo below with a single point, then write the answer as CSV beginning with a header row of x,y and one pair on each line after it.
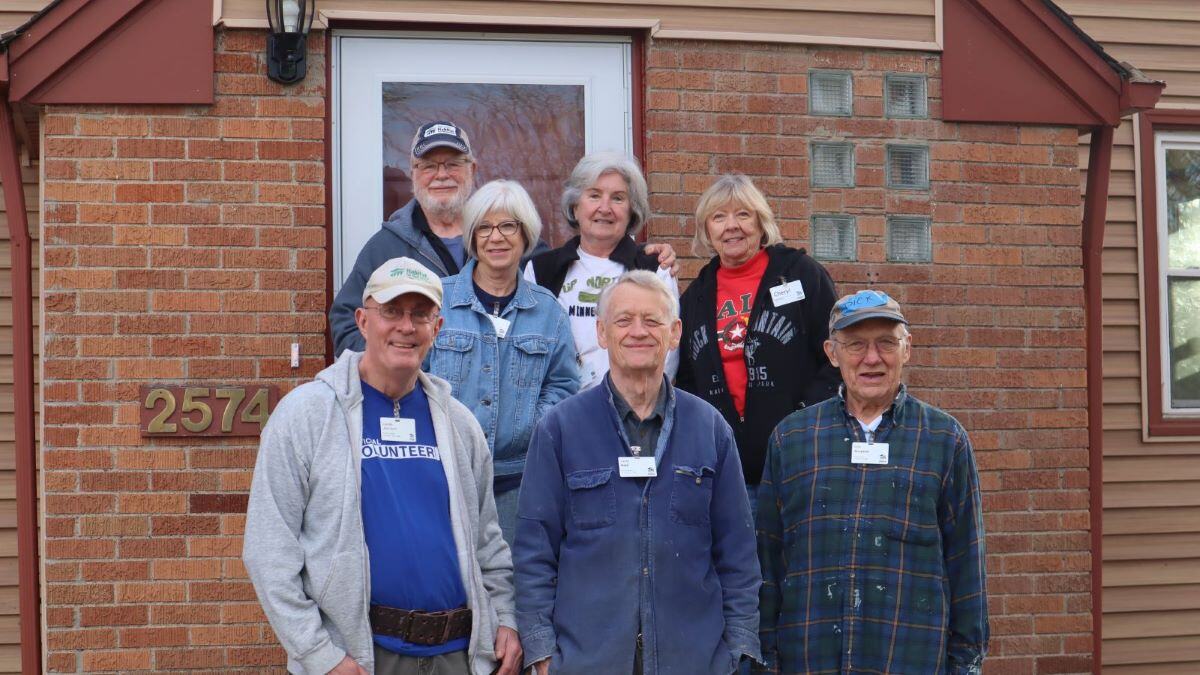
x,y
532,106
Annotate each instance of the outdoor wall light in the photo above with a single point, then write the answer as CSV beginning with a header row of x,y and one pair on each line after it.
x,y
290,22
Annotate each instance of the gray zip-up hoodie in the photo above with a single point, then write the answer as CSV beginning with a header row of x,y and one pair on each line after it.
x,y
304,546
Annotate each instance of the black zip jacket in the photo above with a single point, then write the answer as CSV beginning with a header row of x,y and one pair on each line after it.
x,y
784,350
550,267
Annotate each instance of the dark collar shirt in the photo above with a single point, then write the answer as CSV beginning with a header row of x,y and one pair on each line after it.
x,y
642,433
872,568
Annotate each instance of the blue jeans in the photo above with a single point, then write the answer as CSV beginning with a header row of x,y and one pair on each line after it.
x,y
506,510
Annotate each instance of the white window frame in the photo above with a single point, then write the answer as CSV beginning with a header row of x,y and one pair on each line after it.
x,y
341,266
1164,141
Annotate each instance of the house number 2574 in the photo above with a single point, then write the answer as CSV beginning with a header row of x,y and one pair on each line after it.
x,y
236,410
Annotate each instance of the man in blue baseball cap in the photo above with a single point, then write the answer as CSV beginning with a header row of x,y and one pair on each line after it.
x,y
870,530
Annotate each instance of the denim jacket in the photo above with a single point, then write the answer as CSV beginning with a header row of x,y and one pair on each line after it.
x,y
600,559
510,382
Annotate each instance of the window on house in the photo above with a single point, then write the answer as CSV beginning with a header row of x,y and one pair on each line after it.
x,y
908,167
830,92
908,239
905,95
1178,195
832,165
833,237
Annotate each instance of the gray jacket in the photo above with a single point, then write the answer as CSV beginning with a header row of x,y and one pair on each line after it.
x,y
304,546
398,237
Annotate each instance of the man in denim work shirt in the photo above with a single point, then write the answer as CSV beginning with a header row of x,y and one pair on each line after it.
x,y
635,549
870,531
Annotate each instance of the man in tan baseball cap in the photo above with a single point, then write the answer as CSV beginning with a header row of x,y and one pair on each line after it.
x,y
374,477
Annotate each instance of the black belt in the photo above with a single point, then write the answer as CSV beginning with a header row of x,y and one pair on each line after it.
x,y
421,628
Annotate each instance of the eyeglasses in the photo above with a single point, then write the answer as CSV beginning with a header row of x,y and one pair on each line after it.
x,y
507,228
884,345
418,318
451,165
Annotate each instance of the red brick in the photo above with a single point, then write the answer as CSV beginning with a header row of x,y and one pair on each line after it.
x,y
155,148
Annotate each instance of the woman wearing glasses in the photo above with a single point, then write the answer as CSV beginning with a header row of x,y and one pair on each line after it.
x,y
506,345
754,320
606,201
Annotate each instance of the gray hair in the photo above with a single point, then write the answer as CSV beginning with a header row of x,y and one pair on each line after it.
x,y
590,169
501,195
643,279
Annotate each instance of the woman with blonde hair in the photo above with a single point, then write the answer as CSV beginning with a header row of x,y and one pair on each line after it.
x,y
754,320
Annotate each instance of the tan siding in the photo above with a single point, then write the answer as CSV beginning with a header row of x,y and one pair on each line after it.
x,y
13,13
10,659
910,21
1151,551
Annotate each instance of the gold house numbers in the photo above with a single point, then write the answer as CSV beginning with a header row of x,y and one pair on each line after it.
x,y
233,410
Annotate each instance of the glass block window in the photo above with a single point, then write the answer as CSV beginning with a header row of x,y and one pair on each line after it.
x,y
830,92
908,167
832,165
905,95
833,237
908,239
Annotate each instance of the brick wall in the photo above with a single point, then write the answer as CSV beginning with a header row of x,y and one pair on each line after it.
x,y
188,244
182,244
998,319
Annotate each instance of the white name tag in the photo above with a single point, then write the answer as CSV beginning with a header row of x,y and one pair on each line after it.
x,y
785,294
637,467
398,429
501,325
869,453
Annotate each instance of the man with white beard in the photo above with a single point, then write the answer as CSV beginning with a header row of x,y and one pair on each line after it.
x,y
427,229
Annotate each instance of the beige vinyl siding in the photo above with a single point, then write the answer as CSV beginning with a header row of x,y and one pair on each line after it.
x,y
1160,37
832,21
1151,547
10,655
13,13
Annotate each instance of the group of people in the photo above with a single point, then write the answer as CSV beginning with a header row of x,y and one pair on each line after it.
x,y
548,459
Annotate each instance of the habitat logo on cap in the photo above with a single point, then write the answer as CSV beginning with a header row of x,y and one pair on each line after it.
x,y
399,276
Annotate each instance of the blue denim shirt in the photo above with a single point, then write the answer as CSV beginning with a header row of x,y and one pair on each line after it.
x,y
599,558
510,382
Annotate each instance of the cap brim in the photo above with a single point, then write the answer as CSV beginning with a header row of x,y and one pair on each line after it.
x,y
424,147
392,292
847,321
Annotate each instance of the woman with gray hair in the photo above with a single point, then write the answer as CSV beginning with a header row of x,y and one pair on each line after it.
x,y
505,345
606,201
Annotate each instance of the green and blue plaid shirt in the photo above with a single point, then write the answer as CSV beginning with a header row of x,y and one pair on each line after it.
x,y
872,568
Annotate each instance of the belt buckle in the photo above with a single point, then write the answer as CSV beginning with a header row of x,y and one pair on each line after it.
x,y
432,628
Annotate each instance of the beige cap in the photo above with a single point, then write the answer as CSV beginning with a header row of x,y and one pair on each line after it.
x,y
399,276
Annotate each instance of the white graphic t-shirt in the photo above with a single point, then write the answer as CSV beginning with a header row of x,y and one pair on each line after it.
x,y
580,291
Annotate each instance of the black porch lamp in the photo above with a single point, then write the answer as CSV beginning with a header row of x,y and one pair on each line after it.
x,y
290,21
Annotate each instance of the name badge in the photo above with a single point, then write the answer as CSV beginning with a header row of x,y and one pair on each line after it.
x,y
637,467
398,429
501,325
869,453
785,294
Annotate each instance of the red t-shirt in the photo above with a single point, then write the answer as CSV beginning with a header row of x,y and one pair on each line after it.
x,y
736,287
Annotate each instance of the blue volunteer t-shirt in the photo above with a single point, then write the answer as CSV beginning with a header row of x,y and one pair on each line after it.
x,y
406,519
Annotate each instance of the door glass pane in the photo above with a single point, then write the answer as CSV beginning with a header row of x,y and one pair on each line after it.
x,y
530,133
1184,321
1183,208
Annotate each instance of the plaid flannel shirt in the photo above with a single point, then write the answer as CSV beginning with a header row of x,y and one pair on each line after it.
x,y
872,568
